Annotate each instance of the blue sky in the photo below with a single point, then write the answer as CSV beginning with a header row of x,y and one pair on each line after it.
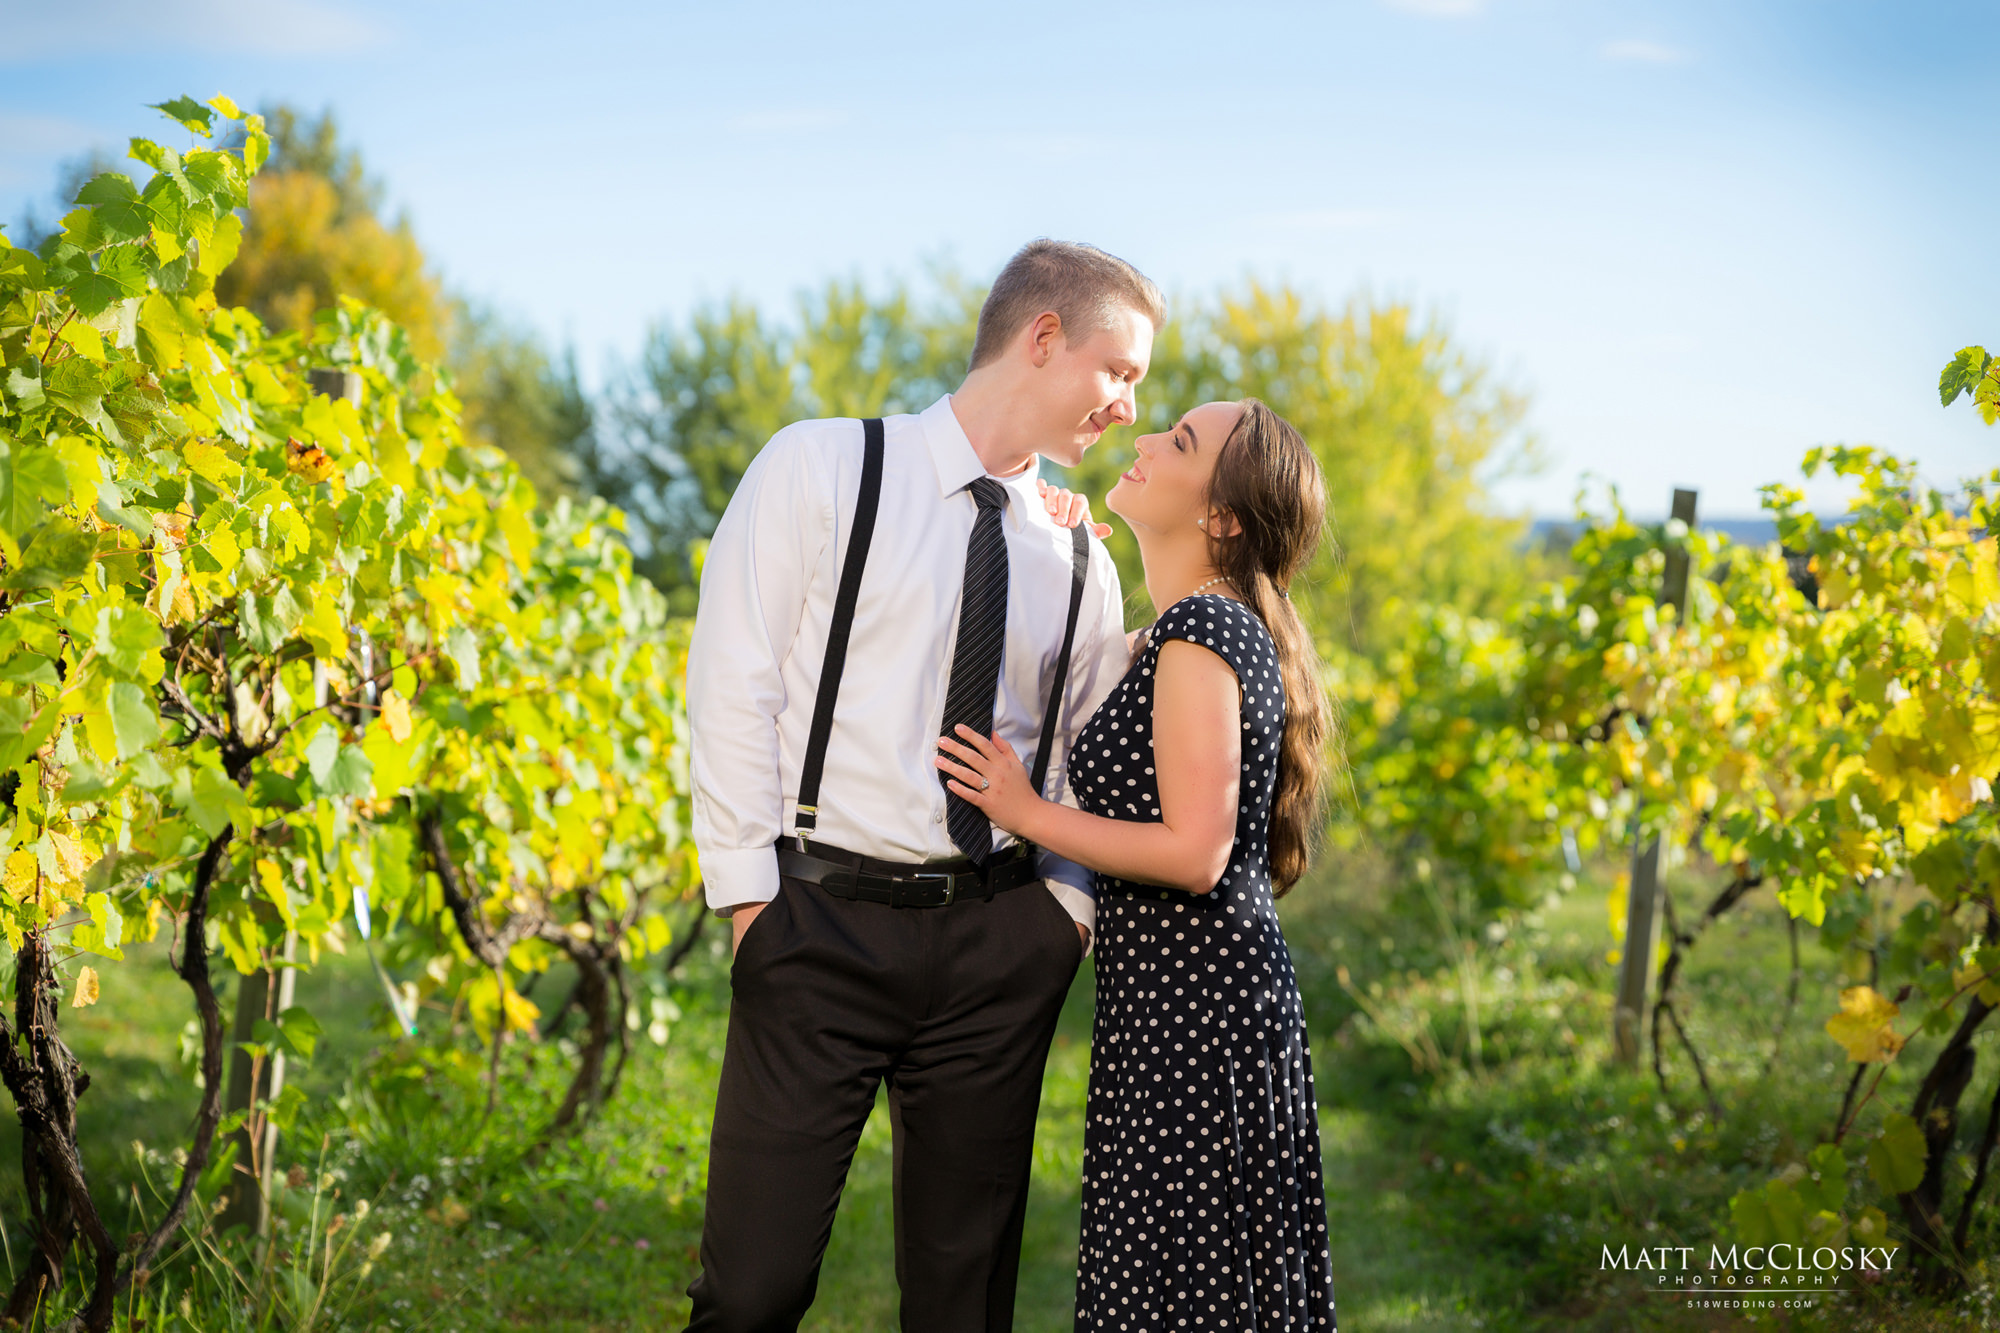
x,y
1700,236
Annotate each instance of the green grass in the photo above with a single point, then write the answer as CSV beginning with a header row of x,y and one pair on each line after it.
x,y
1460,1195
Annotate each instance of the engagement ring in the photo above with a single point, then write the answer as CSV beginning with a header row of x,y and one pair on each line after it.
x,y
984,784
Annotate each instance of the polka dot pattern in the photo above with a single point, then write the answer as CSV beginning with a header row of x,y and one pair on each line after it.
x,y
1203,1205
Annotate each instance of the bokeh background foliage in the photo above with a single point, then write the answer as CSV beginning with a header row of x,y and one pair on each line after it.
x,y
342,640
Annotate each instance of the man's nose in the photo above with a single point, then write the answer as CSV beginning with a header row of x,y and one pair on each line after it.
x,y
1126,410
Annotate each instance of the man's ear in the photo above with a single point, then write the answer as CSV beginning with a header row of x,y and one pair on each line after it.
x,y
1043,336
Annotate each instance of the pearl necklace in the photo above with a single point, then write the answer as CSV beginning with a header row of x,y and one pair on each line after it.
x,y
1219,578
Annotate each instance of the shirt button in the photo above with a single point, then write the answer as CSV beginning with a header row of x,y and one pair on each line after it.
x,y
937,817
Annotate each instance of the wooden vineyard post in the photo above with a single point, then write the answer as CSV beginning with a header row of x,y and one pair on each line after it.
x,y
1642,901
336,384
249,1191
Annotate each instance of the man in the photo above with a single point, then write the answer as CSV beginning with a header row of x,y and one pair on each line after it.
x,y
883,929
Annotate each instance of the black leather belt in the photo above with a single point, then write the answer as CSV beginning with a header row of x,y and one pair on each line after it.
x,y
846,874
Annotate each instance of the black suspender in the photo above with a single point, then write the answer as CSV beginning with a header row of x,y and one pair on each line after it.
x,y
865,505
1079,567
843,620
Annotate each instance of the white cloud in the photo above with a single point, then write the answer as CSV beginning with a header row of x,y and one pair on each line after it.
x,y
1639,51
255,27
1443,9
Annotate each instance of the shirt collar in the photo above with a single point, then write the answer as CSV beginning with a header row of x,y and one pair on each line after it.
x,y
958,466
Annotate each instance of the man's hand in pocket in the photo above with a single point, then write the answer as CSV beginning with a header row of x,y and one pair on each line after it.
x,y
739,921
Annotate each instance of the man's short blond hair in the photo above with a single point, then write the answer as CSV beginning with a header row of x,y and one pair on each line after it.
x,y
1083,285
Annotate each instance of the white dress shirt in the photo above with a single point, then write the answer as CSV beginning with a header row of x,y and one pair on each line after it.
x,y
767,593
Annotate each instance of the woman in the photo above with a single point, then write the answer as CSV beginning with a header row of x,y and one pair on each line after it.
x,y
1199,781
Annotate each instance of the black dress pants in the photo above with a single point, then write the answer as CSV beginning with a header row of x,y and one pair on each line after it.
x,y
954,1006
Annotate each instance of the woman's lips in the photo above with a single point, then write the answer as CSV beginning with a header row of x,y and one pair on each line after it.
x,y
1133,474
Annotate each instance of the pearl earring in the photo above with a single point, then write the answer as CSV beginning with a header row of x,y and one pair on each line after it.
x,y
1201,522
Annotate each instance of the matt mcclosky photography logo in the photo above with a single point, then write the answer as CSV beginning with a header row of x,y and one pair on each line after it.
x,y
1776,1275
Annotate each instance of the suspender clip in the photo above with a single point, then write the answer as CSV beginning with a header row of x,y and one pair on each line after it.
x,y
806,820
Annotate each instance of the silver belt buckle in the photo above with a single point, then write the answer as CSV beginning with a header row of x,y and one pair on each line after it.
x,y
950,883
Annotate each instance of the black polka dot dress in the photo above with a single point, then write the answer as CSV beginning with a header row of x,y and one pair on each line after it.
x,y
1203,1206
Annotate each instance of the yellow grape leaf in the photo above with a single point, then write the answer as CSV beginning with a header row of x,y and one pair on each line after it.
x,y
166,247
211,461
1616,904
521,1011
221,544
162,332
396,716
83,467
1863,1025
323,630
271,879
1836,588
68,856
441,591
265,387
1985,972
86,988
20,874
1985,574
86,340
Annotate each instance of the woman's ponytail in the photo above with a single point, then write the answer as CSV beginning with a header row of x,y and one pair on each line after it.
x,y
1267,477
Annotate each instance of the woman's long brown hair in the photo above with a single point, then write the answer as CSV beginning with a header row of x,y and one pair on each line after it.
x,y
1267,477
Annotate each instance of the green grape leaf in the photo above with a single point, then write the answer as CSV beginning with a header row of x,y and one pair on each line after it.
x,y
1961,373
188,112
1825,1187
15,714
394,856
1896,1160
120,214
462,646
300,1031
390,760
284,1109
31,479
23,383
132,518
351,774
57,553
135,719
100,935
268,623
114,280
256,146
124,637
220,251
321,753
29,669
211,800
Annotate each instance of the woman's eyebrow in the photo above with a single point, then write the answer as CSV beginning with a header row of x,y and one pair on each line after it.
x,y
1190,430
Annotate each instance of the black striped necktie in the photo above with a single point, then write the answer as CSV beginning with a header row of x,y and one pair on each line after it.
x,y
975,661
